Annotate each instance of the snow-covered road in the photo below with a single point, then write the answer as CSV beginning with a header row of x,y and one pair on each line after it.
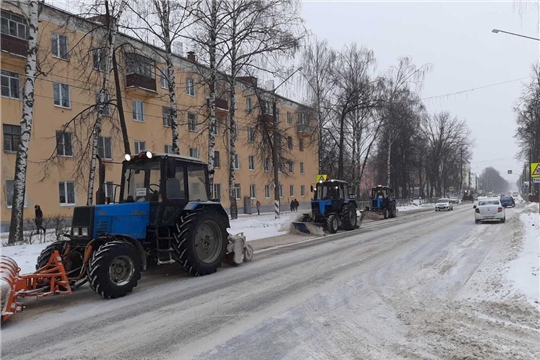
x,y
429,285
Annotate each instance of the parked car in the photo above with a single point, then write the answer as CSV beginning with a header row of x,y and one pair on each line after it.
x,y
454,200
507,201
444,204
489,210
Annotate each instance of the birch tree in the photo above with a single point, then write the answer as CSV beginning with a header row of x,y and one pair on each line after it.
x,y
113,15
30,11
166,20
256,30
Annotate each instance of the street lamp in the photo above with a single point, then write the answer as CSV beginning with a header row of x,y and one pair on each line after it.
x,y
275,159
496,31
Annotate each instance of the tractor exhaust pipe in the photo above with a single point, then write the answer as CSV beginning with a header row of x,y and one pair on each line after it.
x,y
100,193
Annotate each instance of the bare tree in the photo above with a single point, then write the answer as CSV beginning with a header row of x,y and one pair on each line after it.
x,y
30,11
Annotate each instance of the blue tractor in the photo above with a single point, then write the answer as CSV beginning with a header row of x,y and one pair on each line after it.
x,y
382,202
162,214
332,207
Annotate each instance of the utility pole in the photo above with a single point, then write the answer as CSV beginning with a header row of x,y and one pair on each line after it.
x,y
275,160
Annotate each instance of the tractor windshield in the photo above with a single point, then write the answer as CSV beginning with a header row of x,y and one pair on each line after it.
x,y
141,181
328,191
379,193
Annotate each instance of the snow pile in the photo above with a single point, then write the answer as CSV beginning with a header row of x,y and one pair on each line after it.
x,y
24,255
524,271
256,227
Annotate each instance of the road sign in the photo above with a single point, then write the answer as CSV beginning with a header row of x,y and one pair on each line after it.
x,y
451,188
509,172
536,181
535,170
322,177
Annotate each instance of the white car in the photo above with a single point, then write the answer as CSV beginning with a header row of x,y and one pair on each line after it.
x,y
489,210
444,204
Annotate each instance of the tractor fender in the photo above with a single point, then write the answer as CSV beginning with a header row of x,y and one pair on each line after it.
x,y
193,205
132,241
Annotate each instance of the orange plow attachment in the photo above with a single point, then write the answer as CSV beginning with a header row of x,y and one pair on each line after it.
x,y
51,279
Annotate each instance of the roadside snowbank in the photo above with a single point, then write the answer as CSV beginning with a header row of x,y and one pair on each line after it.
x,y
524,272
24,255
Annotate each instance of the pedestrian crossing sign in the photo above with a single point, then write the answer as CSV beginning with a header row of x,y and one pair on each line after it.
x,y
322,177
535,170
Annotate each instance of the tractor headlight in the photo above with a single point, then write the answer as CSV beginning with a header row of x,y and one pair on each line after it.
x,y
84,231
149,154
127,157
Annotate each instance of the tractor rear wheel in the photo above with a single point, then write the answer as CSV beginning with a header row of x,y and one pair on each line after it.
x,y
348,217
201,241
72,261
115,269
332,224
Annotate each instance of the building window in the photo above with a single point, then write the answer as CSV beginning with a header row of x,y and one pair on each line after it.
x,y
106,107
10,84
248,105
237,191
289,118
251,135
168,149
99,59
280,190
105,148
140,65
194,153
290,143
217,159
267,108
303,190
236,162
301,119
217,191
166,115
9,194
190,87
267,165
291,167
140,146
251,161
66,191
63,144
61,95
252,191
59,46
302,168
278,115
109,190
301,144
12,137
291,190
192,122
267,191
138,110
13,25
163,78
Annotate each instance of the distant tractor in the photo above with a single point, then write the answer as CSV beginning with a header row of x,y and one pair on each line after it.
x,y
332,207
164,215
382,202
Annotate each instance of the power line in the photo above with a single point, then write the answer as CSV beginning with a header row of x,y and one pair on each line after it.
x,y
473,89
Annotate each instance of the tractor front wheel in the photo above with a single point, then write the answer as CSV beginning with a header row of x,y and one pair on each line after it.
x,y
348,217
115,269
72,261
201,241
332,223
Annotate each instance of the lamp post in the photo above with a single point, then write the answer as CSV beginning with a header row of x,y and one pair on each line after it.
x,y
275,157
496,31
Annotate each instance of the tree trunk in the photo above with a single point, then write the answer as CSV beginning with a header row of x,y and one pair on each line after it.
x,y
388,160
232,151
120,105
113,28
212,88
21,162
341,146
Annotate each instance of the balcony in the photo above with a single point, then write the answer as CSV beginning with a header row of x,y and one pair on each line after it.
x,y
14,45
266,118
222,106
136,83
304,130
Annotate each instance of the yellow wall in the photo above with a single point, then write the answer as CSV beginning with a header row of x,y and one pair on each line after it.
x,y
42,182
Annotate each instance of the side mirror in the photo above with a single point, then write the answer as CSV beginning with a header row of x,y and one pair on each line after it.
x,y
311,188
171,168
474,207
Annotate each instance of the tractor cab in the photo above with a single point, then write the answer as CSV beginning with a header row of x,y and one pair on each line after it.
x,y
329,197
382,201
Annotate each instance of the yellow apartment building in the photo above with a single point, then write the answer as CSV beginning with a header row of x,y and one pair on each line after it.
x,y
69,57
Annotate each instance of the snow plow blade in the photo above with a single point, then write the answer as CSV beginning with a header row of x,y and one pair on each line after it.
x,y
49,280
308,227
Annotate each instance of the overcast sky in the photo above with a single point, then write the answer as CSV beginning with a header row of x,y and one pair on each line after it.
x,y
456,38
